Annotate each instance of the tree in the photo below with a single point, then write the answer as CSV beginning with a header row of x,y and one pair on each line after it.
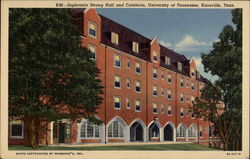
x,y
225,61
50,76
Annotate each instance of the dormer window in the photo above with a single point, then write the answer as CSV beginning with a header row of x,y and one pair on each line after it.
x,y
135,47
155,56
114,38
179,66
192,73
167,60
92,29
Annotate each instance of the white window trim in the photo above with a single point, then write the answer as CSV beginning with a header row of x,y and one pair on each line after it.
x,y
120,60
17,137
140,86
120,103
91,45
156,91
128,79
128,100
156,108
120,82
155,78
95,31
140,68
113,35
80,128
169,78
156,61
135,47
118,131
139,105
128,61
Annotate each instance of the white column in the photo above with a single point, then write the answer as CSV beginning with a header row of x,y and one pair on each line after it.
x,y
106,133
102,134
186,138
161,134
174,134
78,140
126,132
51,132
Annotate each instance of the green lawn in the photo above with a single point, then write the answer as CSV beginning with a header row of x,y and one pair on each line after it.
x,y
159,147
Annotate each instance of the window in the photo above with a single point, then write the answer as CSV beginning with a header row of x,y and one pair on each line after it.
x,y
162,108
89,130
181,131
92,29
114,38
128,103
182,112
169,78
16,129
201,87
162,91
167,60
135,47
117,102
192,86
154,56
154,90
187,83
187,98
179,66
162,75
192,73
192,115
92,49
169,110
169,94
192,131
181,97
201,134
115,130
192,99
128,63
137,106
154,73
182,82
137,67
138,86
118,61
117,82
128,83
155,111
68,131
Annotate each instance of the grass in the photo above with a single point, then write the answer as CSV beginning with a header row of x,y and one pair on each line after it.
x,y
156,147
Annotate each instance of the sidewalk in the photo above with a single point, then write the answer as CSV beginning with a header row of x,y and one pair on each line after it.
x,y
115,144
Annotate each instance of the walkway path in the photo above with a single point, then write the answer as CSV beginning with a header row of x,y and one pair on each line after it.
x,y
115,144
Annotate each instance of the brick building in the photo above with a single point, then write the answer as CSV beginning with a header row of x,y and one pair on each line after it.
x,y
148,90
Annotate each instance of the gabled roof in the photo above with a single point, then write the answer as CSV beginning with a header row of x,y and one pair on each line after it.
x,y
127,36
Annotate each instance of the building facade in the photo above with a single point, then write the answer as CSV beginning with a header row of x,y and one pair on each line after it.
x,y
148,90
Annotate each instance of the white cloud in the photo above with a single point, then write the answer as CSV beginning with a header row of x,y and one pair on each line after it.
x,y
166,44
189,43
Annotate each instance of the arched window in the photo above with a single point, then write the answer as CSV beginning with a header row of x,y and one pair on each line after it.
x,y
192,131
89,130
181,131
115,130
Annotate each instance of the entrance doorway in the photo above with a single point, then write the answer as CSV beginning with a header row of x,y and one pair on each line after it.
x,y
136,132
154,132
168,133
62,132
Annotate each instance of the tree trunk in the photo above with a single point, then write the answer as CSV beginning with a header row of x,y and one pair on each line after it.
x,y
32,137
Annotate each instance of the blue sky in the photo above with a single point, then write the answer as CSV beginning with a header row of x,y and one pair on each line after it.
x,y
186,31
